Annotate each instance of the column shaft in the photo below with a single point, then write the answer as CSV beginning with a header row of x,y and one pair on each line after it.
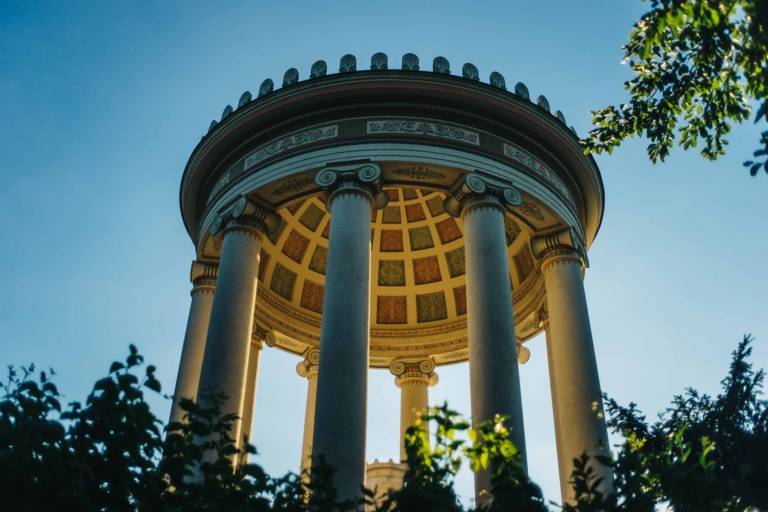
x,y
191,362
494,376
251,384
229,332
414,401
576,397
339,434
309,423
308,368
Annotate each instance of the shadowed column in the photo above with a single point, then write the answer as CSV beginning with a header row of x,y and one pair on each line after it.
x,y
203,277
493,371
575,384
340,414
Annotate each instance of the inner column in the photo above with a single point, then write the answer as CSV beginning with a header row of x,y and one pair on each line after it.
x,y
413,377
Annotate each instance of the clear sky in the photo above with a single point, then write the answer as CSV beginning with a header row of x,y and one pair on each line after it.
x,y
102,102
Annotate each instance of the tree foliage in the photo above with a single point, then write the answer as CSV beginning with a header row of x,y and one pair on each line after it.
x,y
111,453
697,66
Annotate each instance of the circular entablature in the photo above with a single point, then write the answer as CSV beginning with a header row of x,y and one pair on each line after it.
x,y
426,132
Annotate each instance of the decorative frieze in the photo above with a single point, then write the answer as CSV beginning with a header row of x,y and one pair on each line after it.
x,y
220,183
425,128
538,167
290,142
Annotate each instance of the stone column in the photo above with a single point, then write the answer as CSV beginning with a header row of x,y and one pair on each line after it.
x,y
251,383
413,377
308,369
575,384
203,277
231,326
339,436
493,372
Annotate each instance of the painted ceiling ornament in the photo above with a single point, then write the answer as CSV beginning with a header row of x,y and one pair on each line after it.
x,y
379,62
543,102
497,80
522,91
290,77
560,117
266,87
348,64
245,98
441,65
410,62
470,71
319,68
212,125
227,110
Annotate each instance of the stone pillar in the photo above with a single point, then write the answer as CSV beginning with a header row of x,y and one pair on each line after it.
x,y
231,326
251,383
203,277
575,384
493,372
339,436
413,377
308,369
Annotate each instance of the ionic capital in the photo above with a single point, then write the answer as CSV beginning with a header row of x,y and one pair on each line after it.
x,y
362,179
476,190
418,371
203,275
260,337
246,216
308,367
559,246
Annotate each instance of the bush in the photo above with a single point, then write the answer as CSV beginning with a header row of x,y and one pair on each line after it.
x,y
112,453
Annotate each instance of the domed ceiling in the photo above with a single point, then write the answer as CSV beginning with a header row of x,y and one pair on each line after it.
x,y
418,292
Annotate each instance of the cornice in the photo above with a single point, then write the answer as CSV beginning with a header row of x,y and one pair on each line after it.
x,y
348,88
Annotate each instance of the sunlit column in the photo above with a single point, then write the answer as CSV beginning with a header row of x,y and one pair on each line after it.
x,y
339,435
231,326
203,277
576,398
413,377
493,372
308,369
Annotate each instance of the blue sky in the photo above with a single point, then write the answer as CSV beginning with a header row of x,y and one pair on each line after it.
x,y
102,102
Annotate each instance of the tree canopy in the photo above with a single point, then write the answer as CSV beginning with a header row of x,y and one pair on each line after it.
x,y
698,67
